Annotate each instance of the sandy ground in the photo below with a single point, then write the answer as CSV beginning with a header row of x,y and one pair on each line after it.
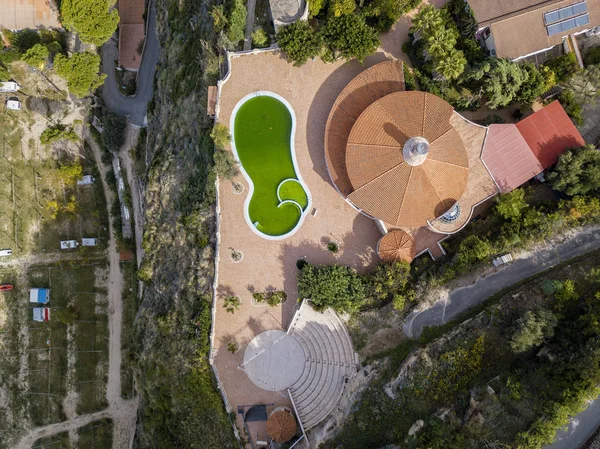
x,y
123,413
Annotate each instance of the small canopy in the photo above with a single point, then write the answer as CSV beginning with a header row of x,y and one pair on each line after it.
x,y
281,426
396,245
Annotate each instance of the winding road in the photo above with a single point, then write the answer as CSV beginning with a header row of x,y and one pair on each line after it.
x,y
582,426
134,107
462,299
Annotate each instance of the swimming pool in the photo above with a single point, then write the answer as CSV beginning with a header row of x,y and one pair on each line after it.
x,y
263,125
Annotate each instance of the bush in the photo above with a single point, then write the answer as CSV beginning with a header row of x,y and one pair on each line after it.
x,y
577,171
22,40
571,107
273,298
533,328
410,83
225,165
231,303
511,205
260,38
37,56
332,247
58,132
473,249
113,134
220,136
383,14
332,286
564,66
299,42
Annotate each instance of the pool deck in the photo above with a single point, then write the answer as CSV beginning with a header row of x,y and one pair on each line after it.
x,y
311,90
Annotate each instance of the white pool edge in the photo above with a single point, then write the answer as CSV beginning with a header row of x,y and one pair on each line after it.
x,y
304,212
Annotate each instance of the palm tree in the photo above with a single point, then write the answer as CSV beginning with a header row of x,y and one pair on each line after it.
x,y
440,42
451,66
425,21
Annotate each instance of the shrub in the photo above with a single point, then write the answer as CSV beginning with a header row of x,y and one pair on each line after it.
x,y
22,40
592,56
571,107
511,205
332,247
37,56
564,66
58,132
410,83
473,249
231,303
299,42
260,38
272,298
225,165
113,134
577,171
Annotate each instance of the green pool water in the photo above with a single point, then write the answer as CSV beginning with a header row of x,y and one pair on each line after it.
x,y
262,133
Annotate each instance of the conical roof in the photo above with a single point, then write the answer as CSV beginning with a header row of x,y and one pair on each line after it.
x,y
405,162
281,426
396,245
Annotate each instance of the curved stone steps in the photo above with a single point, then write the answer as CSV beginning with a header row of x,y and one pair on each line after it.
x,y
325,409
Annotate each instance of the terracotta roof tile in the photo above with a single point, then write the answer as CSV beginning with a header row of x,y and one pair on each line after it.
x,y
486,11
396,245
370,85
384,185
508,157
549,132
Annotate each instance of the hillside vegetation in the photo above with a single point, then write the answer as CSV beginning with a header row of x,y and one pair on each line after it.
x,y
181,406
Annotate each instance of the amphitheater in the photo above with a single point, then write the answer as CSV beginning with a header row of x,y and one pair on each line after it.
x,y
311,362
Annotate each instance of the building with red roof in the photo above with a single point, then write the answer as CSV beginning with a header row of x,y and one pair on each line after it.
x,y
516,153
131,33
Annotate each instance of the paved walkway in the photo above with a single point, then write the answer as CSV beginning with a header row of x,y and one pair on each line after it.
x,y
134,107
251,7
579,429
462,299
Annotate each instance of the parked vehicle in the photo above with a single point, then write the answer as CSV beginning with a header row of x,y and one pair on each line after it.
x,y
5,252
506,258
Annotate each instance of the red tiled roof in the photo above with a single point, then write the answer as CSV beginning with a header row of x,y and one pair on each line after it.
x,y
130,38
549,132
508,157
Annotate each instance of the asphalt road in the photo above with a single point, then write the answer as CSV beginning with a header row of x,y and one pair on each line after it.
x,y
459,301
462,299
134,107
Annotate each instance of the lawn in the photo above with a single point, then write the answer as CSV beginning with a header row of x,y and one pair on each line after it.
x,y
58,441
96,435
262,133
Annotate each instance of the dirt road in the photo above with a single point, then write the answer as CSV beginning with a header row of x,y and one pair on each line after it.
x,y
123,413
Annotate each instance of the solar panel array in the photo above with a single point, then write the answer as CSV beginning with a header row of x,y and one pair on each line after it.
x,y
567,18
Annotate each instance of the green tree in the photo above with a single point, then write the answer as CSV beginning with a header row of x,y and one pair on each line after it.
x,y
299,42
4,73
113,134
69,174
236,21
585,85
220,135
22,40
225,165
388,279
37,56
471,250
383,14
532,329
334,286
350,37
510,206
502,82
577,171
94,20
452,65
58,132
80,71
427,20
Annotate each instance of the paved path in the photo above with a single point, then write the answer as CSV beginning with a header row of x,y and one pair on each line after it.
x,y
462,299
134,107
251,7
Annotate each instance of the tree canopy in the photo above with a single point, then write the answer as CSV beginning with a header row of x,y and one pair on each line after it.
x,y
80,71
577,171
299,42
94,20
37,56
510,206
334,286
532,329
350,37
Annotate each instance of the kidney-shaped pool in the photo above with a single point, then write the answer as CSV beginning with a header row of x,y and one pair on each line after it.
x,y
263,126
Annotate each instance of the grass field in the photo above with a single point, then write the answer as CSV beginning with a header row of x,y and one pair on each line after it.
x,y
30,185
262,134
59,441
97,435
44,361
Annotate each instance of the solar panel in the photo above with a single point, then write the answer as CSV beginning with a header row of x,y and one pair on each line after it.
x,y
568,24
565,13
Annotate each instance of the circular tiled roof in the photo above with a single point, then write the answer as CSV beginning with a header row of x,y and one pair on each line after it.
x,y
281,426
406,188
396,245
